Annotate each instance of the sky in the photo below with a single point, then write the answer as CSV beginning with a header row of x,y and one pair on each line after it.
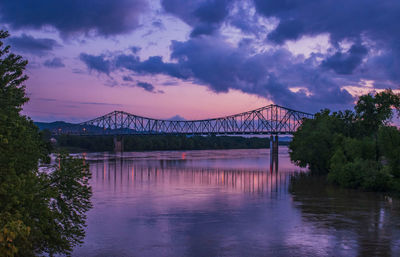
x,y
200,59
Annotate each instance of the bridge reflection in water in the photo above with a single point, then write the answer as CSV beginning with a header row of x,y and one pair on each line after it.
x,y
120,173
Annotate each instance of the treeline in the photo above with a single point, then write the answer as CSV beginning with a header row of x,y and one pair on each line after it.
x,y
160,142
356,149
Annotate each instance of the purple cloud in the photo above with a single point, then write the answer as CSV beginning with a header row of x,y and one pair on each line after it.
x,y
54,63
74,16
36,46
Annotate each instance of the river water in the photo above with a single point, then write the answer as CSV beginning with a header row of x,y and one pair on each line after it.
x,y
229,203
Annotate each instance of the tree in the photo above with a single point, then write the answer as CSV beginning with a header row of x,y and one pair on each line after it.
x,y
374,111
357,149
313,142
40,211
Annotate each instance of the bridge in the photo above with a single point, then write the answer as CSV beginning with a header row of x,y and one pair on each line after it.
x,y
268,120
271,119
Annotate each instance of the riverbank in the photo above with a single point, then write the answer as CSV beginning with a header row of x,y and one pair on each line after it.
x,y
72,143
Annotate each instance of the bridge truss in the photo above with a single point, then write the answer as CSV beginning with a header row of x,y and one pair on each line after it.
x,y
271,119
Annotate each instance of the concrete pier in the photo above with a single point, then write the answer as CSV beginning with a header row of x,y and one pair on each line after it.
x,y
118,144
274,150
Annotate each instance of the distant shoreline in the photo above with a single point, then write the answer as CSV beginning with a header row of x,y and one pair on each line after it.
x,y
136,143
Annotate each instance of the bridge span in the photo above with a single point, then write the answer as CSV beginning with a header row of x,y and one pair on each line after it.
x,y
267,120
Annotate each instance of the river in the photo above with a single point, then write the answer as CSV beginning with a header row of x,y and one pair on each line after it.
x,y
229,203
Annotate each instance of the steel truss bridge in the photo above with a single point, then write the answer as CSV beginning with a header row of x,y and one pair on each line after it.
x,y
271,119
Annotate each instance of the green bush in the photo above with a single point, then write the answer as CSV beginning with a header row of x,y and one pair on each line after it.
x,y
356,149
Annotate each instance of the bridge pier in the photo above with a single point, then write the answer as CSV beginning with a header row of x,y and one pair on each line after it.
x,y
118,144
274,150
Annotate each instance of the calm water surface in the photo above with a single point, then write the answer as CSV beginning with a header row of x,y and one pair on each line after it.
x,y
228,203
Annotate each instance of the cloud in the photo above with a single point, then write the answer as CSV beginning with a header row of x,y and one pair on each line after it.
x,y
170,83
54,63
244,18
135,49
36,46
146,86
74,16
99,103
204,16
127,78
153,65
286,30
131,83
271,74
345,63
97,63
369,25
363,36
74,103
341,19
215,63
363,45
158,24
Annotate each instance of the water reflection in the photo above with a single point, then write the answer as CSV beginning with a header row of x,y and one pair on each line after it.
x,y
367,221
122,174
227,203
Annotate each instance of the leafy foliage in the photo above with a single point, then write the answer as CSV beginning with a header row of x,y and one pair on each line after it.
x,y
357,149
313,142
40,212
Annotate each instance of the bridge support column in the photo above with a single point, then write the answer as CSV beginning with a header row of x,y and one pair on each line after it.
x,y
274,149
271,155
118,144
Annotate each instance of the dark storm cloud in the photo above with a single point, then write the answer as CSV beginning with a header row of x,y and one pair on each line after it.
x,y
54,63
97,63
384,68
368,28
372,22
345,63
74,16
220,66
28,44
286,30
244,19
204,16
153,65
269,74
342,19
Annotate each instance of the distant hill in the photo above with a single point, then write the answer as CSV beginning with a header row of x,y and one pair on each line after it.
x,y
53,125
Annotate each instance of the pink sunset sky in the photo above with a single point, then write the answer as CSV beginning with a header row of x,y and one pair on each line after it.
x,y
199,59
